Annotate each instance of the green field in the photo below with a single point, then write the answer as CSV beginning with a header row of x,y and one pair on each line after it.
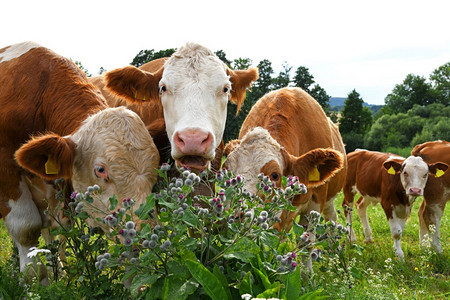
x,y
375,273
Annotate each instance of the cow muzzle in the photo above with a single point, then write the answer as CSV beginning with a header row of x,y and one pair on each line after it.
x,y
415,192
194,148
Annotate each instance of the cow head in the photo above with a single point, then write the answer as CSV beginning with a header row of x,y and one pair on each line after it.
x,y
413,172
112,149
194,87
258,152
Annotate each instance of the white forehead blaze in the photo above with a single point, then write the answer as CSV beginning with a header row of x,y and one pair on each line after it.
x,y
414,173
255,150
195,78
17,50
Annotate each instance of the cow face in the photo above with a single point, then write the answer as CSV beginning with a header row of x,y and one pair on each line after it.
x,y
413,172
258,152
112,149
194,88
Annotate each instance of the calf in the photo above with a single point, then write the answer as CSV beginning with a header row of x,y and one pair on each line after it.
x,y
437,190
54,124
393,181
287,133
193,88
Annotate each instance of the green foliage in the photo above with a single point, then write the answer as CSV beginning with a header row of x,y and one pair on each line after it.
x,y
144,56
418,125
283,79
355,121
82,68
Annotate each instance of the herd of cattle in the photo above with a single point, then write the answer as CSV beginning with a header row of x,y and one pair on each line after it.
x,y
114,130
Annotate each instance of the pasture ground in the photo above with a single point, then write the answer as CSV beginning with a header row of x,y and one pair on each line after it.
x,y
373,272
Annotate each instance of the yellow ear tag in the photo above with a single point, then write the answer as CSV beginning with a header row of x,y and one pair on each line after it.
x,y
50,167
391,170
439,173
314,175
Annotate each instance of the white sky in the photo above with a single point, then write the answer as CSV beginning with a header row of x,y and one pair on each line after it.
x,y
369,46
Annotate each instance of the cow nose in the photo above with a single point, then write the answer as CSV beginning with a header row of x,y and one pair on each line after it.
x,y
415,191
193,141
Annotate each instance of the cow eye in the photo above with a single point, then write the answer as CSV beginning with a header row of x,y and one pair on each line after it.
x,y
405,174
425,176
226,89
99,170
162,89
274,176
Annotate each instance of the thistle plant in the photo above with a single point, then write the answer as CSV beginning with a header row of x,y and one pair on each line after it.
x,y
186,245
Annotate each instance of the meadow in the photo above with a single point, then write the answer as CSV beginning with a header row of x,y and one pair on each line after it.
x,y
364,271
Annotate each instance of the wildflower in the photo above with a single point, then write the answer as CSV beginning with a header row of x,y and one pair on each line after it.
x,y
186,173
79,207
165,167
264,214
130,225
279,257
152,244
146,244
73,195
188,182
293,266
123,232
131,233
35,251
416,269
179,183
265,226
127,242
110,220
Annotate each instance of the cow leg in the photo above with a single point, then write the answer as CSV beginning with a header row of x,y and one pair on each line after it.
x,y
430,215
397,225
361,206
24,225
347,205
329,212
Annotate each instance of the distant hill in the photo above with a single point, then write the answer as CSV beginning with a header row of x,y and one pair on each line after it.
x,y
337,104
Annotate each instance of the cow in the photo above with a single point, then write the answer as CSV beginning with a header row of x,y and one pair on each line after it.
x,y
437,190
55,124
287,133
193,88
391,180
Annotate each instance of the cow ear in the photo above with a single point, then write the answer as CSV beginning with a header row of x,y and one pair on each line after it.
x,y
133,84
241,80
393,166
437,169
230,146
315,167
48,156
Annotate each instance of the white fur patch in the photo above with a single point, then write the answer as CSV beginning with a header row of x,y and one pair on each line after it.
x,y
17,50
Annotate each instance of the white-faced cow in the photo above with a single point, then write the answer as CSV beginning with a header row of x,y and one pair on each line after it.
x,y
193,88
54,124
391,180
437,191
288,133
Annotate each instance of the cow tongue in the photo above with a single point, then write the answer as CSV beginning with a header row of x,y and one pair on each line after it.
x,y
193,162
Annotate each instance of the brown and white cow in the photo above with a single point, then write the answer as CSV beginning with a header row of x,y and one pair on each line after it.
x,y
437,190
54,124
193,88
287,133
391,180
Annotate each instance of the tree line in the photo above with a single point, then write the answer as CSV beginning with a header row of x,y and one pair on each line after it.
x,y
417,110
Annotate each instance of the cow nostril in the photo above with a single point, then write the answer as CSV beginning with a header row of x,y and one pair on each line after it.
x,y
178,140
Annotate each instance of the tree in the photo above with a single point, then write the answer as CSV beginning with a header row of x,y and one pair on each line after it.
x,y
322,97
264,84
354,122
284,77
144,56
413,90
101,71
82,68
440,81
223,57
303,79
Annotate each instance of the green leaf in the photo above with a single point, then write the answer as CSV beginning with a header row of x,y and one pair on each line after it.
x,y
189,218
176,288
208,280
293,285
244,250
264,279
298,229
113,202
142,279
144,208
314,295
245,286
271,291
223,279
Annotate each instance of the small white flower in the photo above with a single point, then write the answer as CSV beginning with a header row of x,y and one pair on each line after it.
x,y
35,251
246,296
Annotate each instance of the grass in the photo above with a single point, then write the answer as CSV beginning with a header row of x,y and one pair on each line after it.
x,y
372,273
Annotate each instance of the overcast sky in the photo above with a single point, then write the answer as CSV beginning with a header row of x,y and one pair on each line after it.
x,y
369,46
